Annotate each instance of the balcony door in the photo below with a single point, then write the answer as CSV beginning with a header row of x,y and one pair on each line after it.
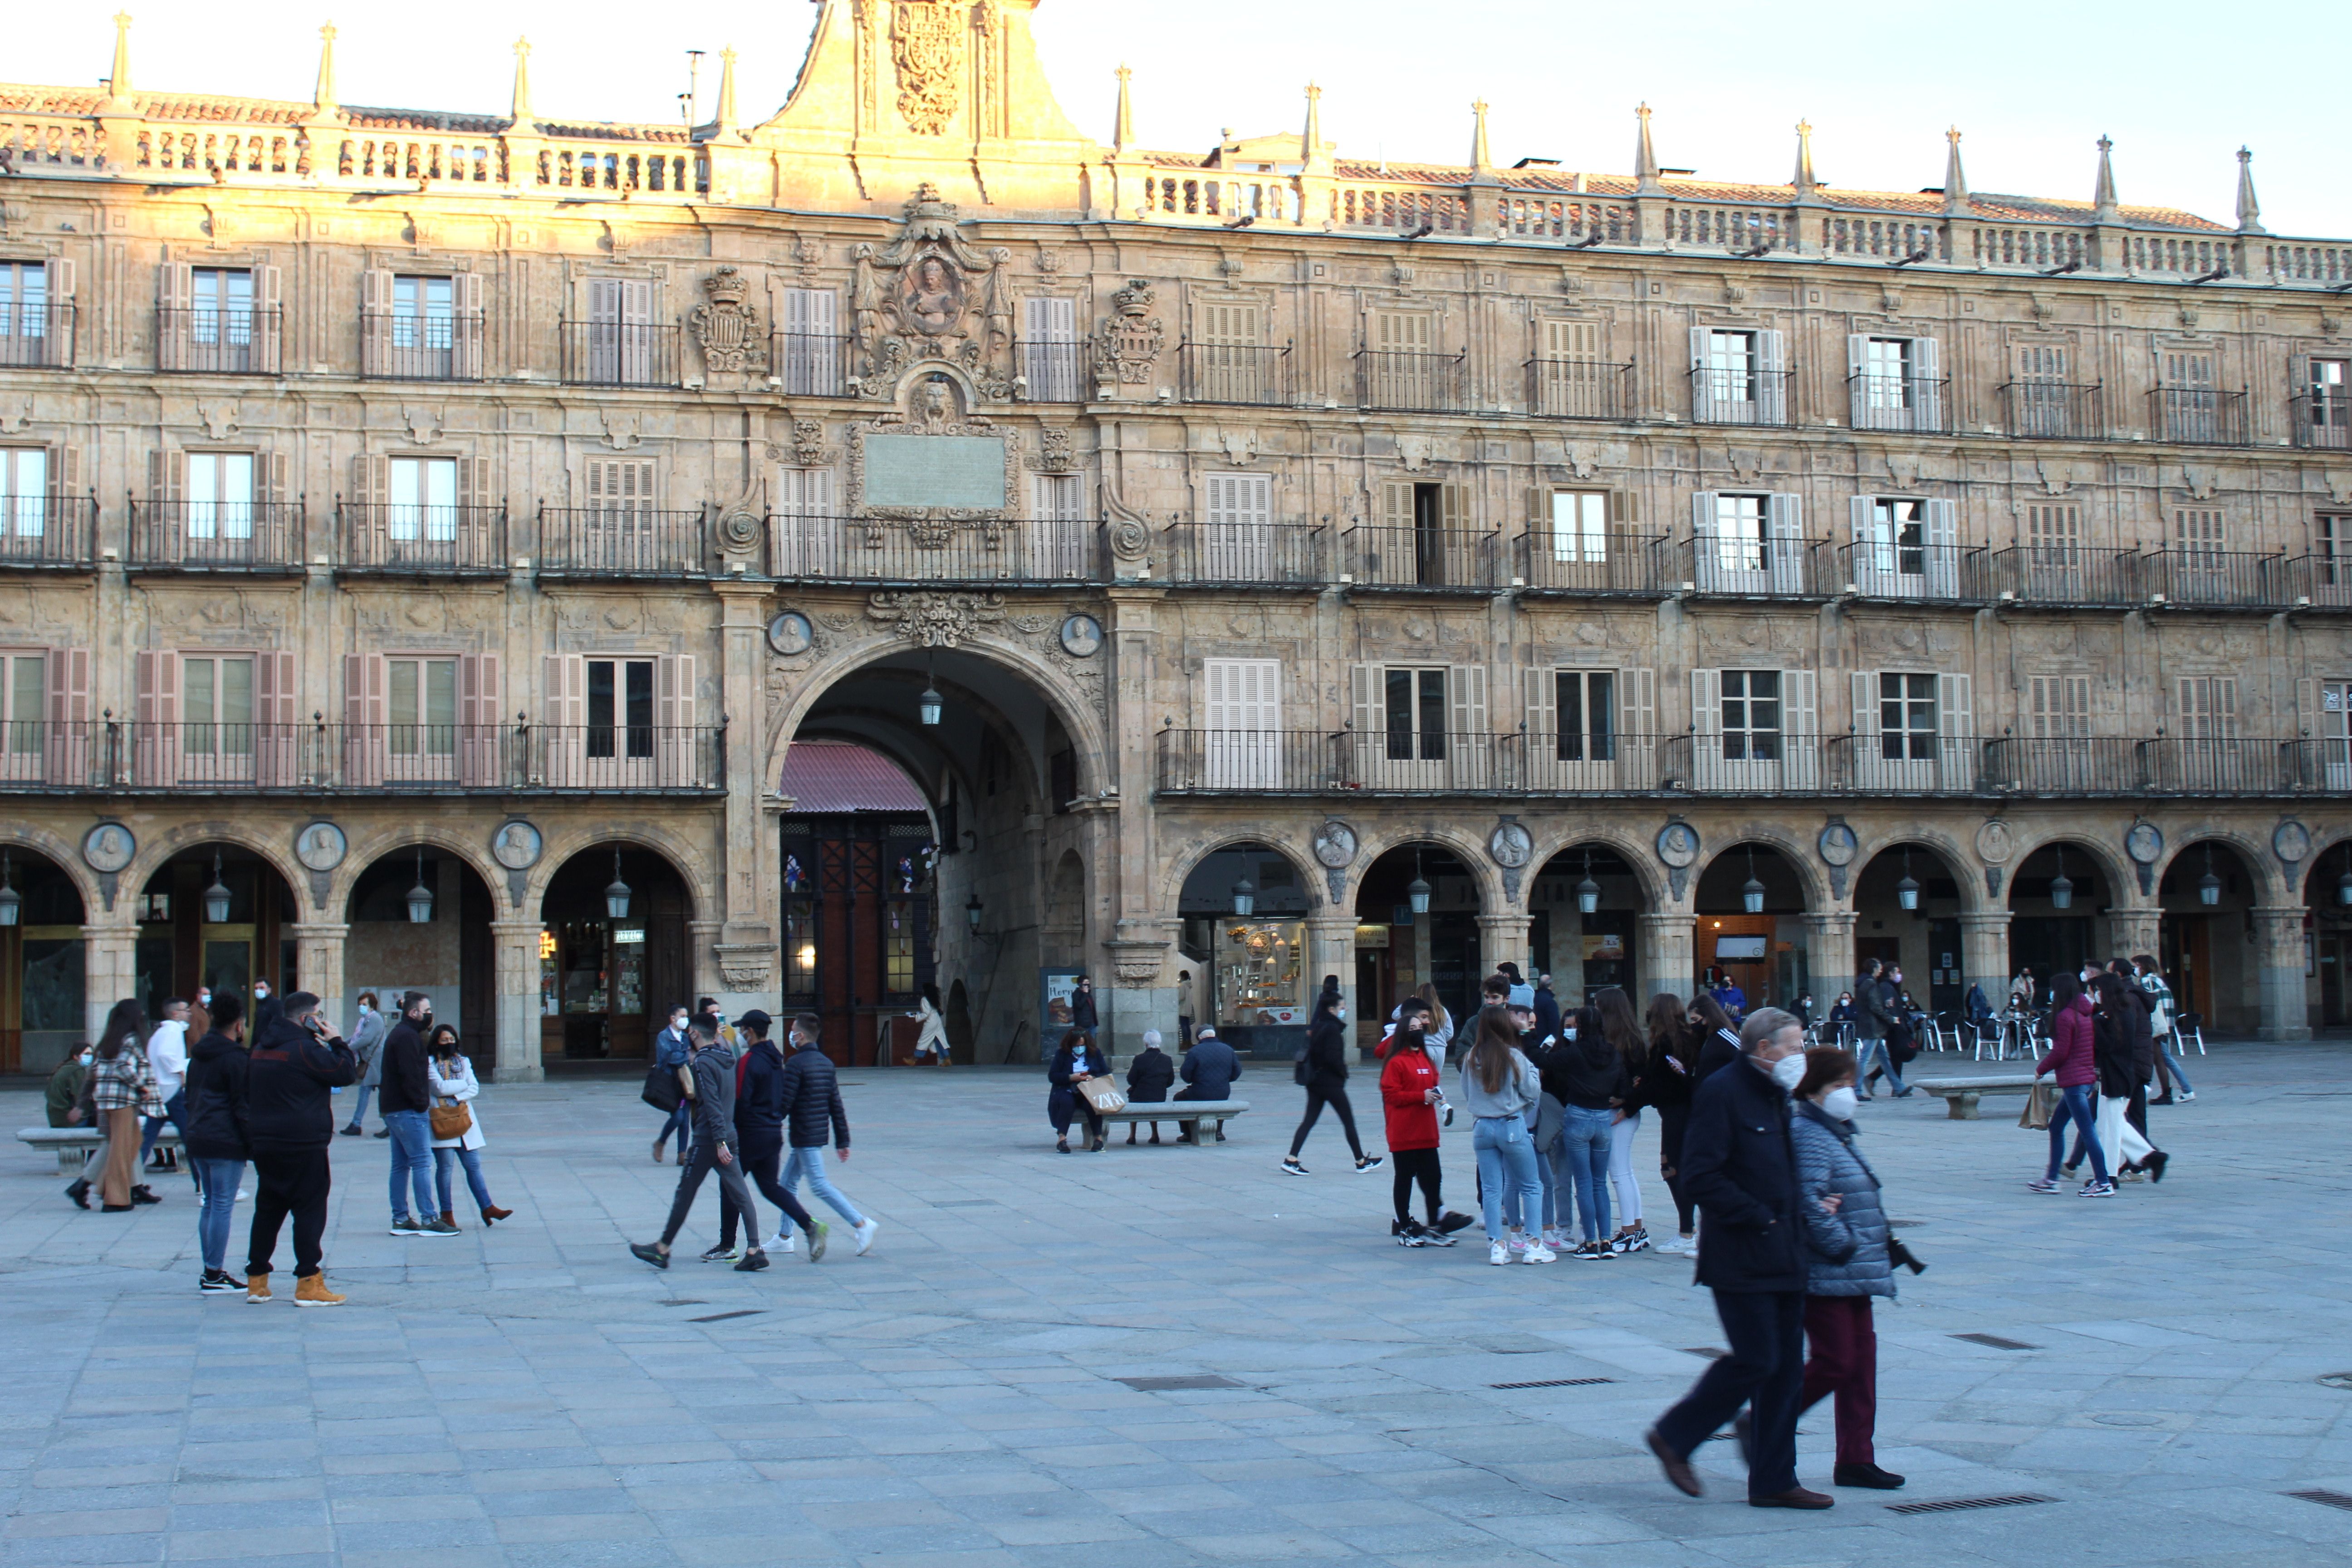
x,y
1748,545
2336,735
1243,721
1237,535
1420,727
1754,731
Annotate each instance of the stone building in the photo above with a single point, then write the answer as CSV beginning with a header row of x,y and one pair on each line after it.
x,y
424,537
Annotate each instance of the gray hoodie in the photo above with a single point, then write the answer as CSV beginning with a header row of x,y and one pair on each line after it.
x,y
713,1070
1521,1092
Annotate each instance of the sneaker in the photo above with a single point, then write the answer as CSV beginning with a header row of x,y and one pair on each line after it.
x,y
2098,1190
2044,1186
816,1240
1538,1253
646,1252
1368,1162
2154,1165
864,1234
380,1132
1594,1252
439,1227
1408,1233
352,1130
1449,1222
2186,1095
257,1288
1432,1235
787,1244
1293,1167
142,1196
405,1224
1680,1247
1497,1253
752,1263
1519,1241
722,1253
215,1281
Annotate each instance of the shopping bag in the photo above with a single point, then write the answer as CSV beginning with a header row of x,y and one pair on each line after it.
x,y
2036,1115
1102,1093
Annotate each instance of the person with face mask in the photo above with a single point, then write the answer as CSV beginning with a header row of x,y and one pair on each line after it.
x,y
406,1104
1324,1071
669,1051
1739,1165
1848,1260
367,1045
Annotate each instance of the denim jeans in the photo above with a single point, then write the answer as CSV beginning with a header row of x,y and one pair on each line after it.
x,y
810,1163
1546,1172
359,1107
678,1124
412,1162
218,1179
443,1161
1876,1050
2075,1107
1585,1135
175,1112
1507,1160
2178,1064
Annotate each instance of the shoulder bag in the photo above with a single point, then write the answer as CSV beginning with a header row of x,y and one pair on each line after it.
x,y
2036,1115
450,1120
662,1091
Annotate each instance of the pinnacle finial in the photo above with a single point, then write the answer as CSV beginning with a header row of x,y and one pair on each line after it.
x,y
1310,142
324,97
1805,180
2103,196
1956,182
1645,157
1481,161
1122,130
522,112
2250,211
118,80
722,118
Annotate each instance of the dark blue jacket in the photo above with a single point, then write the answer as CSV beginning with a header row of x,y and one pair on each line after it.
x,y
811,1100
1149,1076
1547,1013
1740,1166
215,1095
1210,1068
760,1099
289,1079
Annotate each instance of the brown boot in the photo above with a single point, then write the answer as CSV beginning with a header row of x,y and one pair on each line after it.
x,y
311,1290
449,1219
492,1215
257,1287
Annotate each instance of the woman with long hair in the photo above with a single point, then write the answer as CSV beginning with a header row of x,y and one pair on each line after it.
x,y
451,1077
1499,1088
1410,1097
1718,1037
120,1088
2071,1062
1668,1076
1324,1071
2124,1047
1592,1078
1624,1033
1441,1022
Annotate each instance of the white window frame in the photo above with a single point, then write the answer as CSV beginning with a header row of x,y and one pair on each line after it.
x,y
1580,527
26,486
216,731
220,493
422,500
423,743
812,356
1236,536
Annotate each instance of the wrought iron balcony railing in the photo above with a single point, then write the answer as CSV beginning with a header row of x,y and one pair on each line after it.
x,y
2197,416
2054,411
395,347
601,542
1449,560
1054,371
1882,400
56,532
1721,395
216,536
619,354
810,364
1249,374
1722,566
1411,381
212,341
36,332
2323,419
395,538
1906,763
1925,573
1579,389
2218,579
2101,765
1262,555
2067,576
1611,563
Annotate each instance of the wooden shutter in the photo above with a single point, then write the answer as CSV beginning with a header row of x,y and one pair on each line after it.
x,y
1706,552
1540,712
468,328
1637,706
1800,729
268,347
1859,412
1943,535
1869,770
163,522
1367,722
675,762
155,740
1862,522
478,513
1771,382
481,729
57,348
1707,728
564,721
175,296
803,529
636,305
1702,384
1470,747
377,291
1955,727
1927,385
276,731
1244,718
366,681
1785,521
71,747
366,527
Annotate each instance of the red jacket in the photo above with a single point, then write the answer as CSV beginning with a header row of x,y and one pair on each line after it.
x,y
2072,1059
1413,1121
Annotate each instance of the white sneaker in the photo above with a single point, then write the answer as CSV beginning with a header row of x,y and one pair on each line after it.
x,y
1497,1253
1518,1242
785,1245
866,1236
1538,1253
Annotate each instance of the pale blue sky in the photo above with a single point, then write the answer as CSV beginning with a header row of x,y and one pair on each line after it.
x,y
2033,85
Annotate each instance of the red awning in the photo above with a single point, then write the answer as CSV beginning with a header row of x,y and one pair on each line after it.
x,y
829,777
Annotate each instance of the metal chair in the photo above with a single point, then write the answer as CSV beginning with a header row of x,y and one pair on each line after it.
x,y
2188,1027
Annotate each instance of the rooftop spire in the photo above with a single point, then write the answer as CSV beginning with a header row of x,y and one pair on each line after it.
x,y
521,115
723,117
2250,211
118,80
2103,196
324,97
1805,181
1310,151
1480,161
1956,184
1122,129
1645,157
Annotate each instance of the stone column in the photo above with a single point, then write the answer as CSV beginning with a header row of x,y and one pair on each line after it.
x,y
110,968
1984,955
516,945
1665,958
319,967
1829,950
743,939
1502,937
2278,947
1331,948
2131,932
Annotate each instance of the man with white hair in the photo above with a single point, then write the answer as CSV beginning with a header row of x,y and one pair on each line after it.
x,y
1149,1078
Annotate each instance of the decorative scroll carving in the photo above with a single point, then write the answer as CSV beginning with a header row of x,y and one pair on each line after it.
x,y
936,620
1054,454
1130,338
929,295
727,324
745,965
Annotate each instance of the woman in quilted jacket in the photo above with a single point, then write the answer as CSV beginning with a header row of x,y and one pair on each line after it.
x,y
2071,1063
1410,1098
1847,1262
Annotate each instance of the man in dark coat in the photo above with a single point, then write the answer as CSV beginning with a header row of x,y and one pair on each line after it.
x,y
405,1100
712,1067
1547,1008
815,1116
760,1137
1210,1068
1149,1078
1739,1165
288,1118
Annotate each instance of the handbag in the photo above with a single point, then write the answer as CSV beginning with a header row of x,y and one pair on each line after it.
x,y
450,1121
662,1091
1102,1093
2036,1114
1902,1045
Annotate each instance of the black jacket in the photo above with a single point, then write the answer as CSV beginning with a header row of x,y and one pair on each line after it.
x,y
1740,1166
811,1100
1666,1082
403,1083
1875,1001
2111,1048
1592,1073
1327,1053
216,1096
289,1077
1082,1008
760,1099
1547,1011
1150,1075
1717,1051
1210,1068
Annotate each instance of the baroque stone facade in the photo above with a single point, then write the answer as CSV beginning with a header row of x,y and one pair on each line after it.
x,y
507,491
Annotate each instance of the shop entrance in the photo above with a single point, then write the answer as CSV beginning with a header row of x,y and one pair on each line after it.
x,y
611,955
1244,911
42,1004
214,918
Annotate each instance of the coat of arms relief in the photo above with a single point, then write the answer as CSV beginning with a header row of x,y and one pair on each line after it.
x,y
927,45
727,324
927,295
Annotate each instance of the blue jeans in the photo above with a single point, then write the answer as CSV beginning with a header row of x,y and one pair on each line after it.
x,y
1507,1161
1885,1058
218,1179
678,1124
359,1107
2180,1065
444,1158
2077,1106
412,1162
175,1111
1584,1134
1546,1171
810,1163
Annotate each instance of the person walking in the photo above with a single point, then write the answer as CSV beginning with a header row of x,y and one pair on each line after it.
x,y
760,1139
1209,1071
1077,1059
1740,1164
290,1078
1668,1076
2124,1049
1592,1078
367,1045
405,1104
122,1088
815,1116
712,1067
167,1063
1848,1260
1083,1016
1149,1078
2145,975
931,1039
1324,1071
450,1076
1547,1014
1874,1014
1624,1031
214,1135
1412,1096
1501,1089
670,1053
2071,1063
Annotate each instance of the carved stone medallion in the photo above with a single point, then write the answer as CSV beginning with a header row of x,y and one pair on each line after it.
x,y
1511,846
2291,841
2145,843
1678,845
1335,844
321,847
516,845
790,634
1082,636
109,848
727,324
927,45
1995,843
1838,845
1130,338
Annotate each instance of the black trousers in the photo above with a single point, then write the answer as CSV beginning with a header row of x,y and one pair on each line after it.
x,y
761,1154
1765,1372
1672,1120
1416,1166
2136,1109
1318,1097
290,1182
704,1160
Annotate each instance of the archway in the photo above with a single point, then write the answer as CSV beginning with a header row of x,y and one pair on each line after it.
x,y
1399,947
1750,930
1245,948
214,917
611,955
1583,950
1907,912
2209,945
43,965
2328,906
446,953
2058,900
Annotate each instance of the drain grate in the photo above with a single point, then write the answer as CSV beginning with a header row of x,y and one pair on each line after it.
x,y
1555,1383
1997,1342
1712,1353
722,1317
1956,1504
1178,1384
2322,1495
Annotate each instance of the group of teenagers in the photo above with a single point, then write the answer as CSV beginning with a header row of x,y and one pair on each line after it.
x,y
2106,1026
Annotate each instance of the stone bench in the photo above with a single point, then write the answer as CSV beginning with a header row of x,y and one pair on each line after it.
x,y
1960,1094
73,1144
1216,1110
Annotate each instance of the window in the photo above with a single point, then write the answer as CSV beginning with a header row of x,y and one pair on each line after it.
x,y
1244,719
2061,706
2040,400
2188,400
1886,375
2196,531
24,492
1748,544
2331,542
24,689
804,530
1579,526
220,495
221,314
24,313
216,705
1906,716
812,356
1751,715
622,341
2209,707
1405,364
1229,363
422,705
1237,528
424,313
1898,536
1894,382
2055,533
1739,377
423,500
1057,531
1413,702
1572,380
620,697
1049,351
2328,408
1587,706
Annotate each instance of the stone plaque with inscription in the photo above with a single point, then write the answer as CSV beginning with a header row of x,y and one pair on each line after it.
x,y
962,472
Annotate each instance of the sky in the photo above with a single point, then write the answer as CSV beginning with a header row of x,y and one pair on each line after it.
x,y
2033,84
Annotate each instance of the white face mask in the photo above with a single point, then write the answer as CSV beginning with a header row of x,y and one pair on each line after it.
x,y
1840,1103
1790,1071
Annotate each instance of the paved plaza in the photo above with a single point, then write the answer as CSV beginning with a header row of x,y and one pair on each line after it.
x,y
966,1393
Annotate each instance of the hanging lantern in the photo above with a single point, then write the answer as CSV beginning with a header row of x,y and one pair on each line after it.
x,y
1244,897
1907,891
1587,892
216,896
2344,887
2062,888
2208,885
930,702
616,893
12,902
1751,892
971,913
1416,892
420,896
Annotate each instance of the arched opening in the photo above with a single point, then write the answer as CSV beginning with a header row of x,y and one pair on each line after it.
x,y
1245,949
611,955
1750,930
1583,949
2328,905
214,917
1907,912
2209,944
1399,949
2058,902
446,953
44,1009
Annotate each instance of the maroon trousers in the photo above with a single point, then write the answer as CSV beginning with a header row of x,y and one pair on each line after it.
x,y
1845,1361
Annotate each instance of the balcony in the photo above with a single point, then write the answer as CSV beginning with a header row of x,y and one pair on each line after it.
x,y
1722,567
1905,764
1241,374
37,333
2319,581
1265,557
1721,395
1913,574
406,540
2066,577
1616,563
921,552
2116,766
2323,420
53,533
2217,579
1421,560
420,348
1411,383
1754,762
212,342
596,541
1885,400
2054,411
211,536
1579,389
1313,761
2197,416
1054,372
809,364
619,354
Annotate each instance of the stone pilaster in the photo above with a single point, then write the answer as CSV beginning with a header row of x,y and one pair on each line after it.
x,y
1665,961
516,945
2278,949
1503,938
110,971
319,967
1984,953
1829,949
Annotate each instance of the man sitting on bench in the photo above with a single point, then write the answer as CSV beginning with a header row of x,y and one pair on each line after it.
x,y
1210,1068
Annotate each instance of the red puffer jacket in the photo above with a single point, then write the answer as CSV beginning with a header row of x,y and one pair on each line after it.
x,y
2072,1058
1412,1121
